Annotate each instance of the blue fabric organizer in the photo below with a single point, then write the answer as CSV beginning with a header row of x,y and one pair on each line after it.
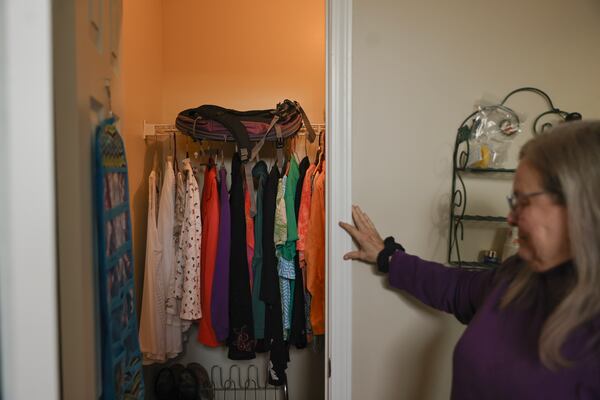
x,y
121,357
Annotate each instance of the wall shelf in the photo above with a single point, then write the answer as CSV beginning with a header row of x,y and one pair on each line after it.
x,y
485,218
460,167
486,170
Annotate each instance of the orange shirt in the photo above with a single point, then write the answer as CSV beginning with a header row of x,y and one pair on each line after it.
x,y
315,253
304,212
210,235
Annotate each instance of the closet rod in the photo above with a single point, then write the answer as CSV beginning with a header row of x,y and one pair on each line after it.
x,y
161,130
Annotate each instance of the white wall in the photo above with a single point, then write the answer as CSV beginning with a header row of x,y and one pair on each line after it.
x,y
28,306
418,69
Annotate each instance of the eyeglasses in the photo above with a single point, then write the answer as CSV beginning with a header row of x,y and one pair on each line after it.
x,y
517,200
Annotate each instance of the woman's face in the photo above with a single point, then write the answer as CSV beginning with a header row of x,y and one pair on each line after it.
x,y
542,222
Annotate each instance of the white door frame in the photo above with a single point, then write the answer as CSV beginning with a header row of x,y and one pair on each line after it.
x,y
28,293
339,197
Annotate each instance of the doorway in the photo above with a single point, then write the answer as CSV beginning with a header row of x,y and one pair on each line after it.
x,y
150,82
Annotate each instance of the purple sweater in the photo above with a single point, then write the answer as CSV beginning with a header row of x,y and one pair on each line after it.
x,y
497,355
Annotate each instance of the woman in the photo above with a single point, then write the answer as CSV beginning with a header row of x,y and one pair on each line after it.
x,y
534,323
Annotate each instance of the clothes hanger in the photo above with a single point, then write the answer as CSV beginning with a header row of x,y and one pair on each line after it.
x,y
320,157
223,152
306,148
174,159
299,150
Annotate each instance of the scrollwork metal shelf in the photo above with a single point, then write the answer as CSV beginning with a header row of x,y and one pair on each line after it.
x,y
458,200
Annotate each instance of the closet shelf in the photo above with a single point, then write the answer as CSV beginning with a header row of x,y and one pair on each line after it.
x,y
487,218
162,130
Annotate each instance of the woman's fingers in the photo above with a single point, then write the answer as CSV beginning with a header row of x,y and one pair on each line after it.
x,y
366,225
353,255
372,228
359,218
365,235
350,229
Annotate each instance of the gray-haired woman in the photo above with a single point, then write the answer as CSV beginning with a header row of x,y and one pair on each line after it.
x,y
533,323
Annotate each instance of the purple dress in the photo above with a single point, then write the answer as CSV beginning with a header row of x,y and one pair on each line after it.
x,y
497,355
220,291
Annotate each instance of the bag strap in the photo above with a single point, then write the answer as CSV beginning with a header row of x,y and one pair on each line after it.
x,y
239,132
258,146
279,146
311,132
232,123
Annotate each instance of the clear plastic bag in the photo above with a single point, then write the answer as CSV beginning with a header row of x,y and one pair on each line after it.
x,y
493,129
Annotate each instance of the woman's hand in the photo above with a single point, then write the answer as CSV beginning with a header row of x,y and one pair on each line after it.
x,y
365,236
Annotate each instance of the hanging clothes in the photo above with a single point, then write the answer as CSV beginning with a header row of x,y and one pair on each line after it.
x,y
304,213
280,233
303,219
259,172
289,248
210,237
269,290
315,253
166,223
220,292
152,321
175,326
187,277
241,326
287,251
298,327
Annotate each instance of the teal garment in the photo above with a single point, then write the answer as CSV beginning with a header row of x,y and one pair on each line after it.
x,y
289,248
258,306
287,278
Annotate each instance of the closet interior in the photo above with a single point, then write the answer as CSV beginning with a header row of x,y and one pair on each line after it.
x,y
244,56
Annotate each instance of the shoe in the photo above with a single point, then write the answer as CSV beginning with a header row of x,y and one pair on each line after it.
x,y
164,385
187,385
204,384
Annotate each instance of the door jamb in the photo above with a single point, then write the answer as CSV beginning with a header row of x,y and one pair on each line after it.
x,y
338,198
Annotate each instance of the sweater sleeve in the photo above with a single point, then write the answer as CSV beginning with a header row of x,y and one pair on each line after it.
x,y
456,291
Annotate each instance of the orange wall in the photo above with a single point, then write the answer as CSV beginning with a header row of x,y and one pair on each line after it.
x,y
244,55
141,96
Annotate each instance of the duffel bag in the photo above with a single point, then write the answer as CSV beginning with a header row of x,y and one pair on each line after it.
x,y
212,122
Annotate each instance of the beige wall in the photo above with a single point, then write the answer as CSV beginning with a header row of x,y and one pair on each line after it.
x,y
419,68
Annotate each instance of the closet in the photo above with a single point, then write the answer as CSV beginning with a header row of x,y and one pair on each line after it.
x,y
242,56
156,59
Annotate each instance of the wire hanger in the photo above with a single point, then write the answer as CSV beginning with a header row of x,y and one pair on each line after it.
x,y
223,151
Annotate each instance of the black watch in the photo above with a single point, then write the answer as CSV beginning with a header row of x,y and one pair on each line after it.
x,y
383,258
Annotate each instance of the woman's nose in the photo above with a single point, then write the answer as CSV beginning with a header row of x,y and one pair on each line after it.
x,y
512,218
